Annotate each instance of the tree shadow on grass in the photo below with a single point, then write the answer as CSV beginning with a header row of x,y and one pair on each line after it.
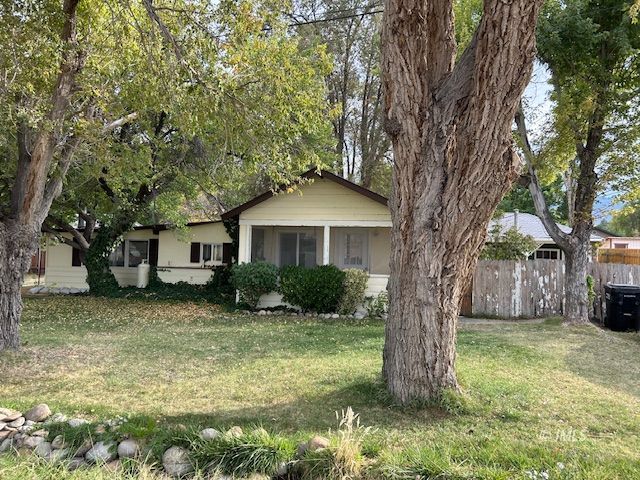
x,y
319,413
609,359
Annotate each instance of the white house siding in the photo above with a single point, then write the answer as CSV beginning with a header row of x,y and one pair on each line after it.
x,y
322,200
174,252
60,273
174,246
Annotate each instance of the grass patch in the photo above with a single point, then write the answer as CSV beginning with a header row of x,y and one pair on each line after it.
x,y
536,397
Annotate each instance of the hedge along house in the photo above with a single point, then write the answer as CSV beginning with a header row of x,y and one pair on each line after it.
x,y
179,254
328,220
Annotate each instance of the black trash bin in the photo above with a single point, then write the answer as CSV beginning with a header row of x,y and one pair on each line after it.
x,y
623,307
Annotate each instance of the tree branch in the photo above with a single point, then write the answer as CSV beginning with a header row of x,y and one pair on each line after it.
x,y
540,203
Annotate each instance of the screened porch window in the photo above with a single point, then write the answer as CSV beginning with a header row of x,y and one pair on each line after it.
x,y
297,248
353,249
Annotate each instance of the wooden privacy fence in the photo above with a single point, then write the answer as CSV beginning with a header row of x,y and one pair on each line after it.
x,y
535,288
629,256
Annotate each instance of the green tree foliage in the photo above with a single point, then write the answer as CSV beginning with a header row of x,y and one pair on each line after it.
x,y
507,245
519,198
210,107
625,221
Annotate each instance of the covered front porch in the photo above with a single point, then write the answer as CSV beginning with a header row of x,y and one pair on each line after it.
x,y
362,245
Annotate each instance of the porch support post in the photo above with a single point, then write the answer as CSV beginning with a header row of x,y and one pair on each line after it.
x,y
244,247
325,245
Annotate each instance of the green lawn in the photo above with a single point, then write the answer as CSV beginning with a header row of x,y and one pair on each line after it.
x,y
537,396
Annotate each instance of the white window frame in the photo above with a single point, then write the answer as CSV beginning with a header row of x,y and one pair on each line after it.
x,y
559,252
304,231
215,248
341,247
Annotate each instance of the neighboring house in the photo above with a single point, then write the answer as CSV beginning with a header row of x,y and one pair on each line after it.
x,y
621,242
180,255
328,221
529,224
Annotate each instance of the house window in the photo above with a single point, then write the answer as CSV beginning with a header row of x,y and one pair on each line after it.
x,y
620,245
297,249
548,254
129,253
138,251
212,252
353,249
257,245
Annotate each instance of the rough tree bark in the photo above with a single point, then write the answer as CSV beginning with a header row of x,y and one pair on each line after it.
x,y
450,126
36,185
575,245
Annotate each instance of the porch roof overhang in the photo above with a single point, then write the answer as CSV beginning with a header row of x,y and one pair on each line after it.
x,y
309,174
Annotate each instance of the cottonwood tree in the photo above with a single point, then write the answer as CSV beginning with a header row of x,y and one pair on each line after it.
x,y
70,78
450,126
592,51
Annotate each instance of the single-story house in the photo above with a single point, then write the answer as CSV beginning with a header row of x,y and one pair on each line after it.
x,y
328,221
529,224
612,242
180,254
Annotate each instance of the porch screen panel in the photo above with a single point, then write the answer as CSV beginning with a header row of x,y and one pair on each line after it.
x,y
307,250
288,249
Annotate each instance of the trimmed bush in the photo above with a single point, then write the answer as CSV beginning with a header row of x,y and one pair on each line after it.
x,y
253,280
355,284
317,289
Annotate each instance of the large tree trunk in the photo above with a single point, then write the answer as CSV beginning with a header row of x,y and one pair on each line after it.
x,y
454,160
576,290
17,246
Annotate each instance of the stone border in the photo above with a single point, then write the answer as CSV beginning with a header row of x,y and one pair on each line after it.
x,y
27,434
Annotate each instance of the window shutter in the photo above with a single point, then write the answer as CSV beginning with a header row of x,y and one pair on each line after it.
x,y
227,253
195,252
75,258
153,252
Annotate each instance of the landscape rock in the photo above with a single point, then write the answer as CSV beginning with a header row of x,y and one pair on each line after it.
x,y
40,433
76,463
29,423
301,449
59,455
31,442
84,448
43,450
101,452
234,431
209,434
262,312
39,413
176,462
58,442
317,442
6,444
18,422
76,422
9,415
2,425
128,449
5,434
335,315
57,418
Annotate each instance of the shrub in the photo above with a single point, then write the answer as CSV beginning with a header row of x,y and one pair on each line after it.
x,y
253,280
377,306
355,284
316,289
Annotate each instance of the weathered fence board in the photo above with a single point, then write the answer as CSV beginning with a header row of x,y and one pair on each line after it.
x,y
535,288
